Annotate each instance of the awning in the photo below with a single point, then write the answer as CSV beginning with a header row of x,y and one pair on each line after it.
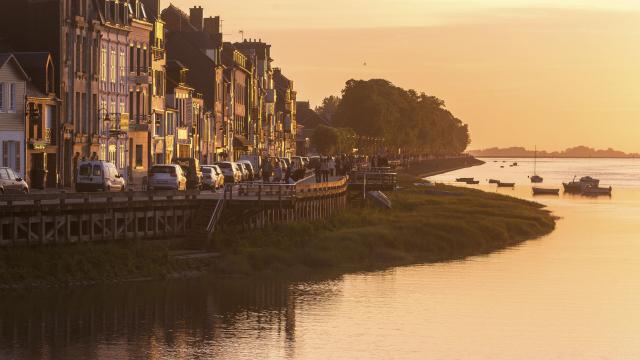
x,y
239,141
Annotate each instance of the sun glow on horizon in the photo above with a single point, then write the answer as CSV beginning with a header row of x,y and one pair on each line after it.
x,y
520,72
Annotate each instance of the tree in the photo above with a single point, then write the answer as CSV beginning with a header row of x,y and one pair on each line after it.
x,y
405,119
328,107
329,140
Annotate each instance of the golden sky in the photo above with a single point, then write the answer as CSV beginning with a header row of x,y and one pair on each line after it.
x,y
520,72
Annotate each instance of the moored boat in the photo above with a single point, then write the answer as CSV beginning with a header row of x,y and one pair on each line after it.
x,y
493,181
473,182
545,191
504,184
536,179
596,190
464,179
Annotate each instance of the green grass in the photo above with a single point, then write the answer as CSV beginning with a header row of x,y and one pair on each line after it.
x,y
420,228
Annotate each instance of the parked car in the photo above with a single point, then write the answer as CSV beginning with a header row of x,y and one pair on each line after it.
x,y
208,177
248,167
219,176
212,177
98,175
230,171
167,177
244,174
11,183
287,161
255,160
191,168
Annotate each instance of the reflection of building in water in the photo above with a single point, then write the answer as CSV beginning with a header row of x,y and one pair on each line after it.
x,y
137,320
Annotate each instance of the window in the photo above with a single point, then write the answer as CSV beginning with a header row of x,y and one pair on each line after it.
x,y
138,155
12,97
122,63
103,64
11,155
1,97
131,58
112,67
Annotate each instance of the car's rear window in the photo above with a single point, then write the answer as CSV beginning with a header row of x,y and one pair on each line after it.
x,y
224,165
206,170
163,170
97,170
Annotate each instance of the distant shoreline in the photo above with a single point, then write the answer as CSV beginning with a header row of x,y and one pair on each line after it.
x,y
553,157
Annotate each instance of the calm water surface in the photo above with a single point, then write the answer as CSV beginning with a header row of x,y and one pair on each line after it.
x,y
574,294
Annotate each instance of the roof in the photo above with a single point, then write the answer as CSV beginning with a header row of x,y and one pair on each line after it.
x,y
35,64
9,57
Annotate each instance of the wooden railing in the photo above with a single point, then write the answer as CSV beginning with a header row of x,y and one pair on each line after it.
x,y
281,192
8,200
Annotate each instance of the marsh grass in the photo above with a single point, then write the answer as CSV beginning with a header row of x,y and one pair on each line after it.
x,y
420,228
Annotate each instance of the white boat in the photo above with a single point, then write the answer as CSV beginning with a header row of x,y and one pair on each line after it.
x,y
379,198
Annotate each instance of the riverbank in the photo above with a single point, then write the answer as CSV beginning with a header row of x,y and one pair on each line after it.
x,y
421,227
433,167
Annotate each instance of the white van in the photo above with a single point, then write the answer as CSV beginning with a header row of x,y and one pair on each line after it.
x,y
98,175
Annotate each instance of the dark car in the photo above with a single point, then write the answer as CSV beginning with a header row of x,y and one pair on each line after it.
x,y
12,183
191,168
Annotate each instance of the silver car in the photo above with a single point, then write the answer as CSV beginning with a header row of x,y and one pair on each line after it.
x,y
167,177
12,183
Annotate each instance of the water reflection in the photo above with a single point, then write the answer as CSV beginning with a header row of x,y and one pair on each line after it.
x,y
147,317
571,295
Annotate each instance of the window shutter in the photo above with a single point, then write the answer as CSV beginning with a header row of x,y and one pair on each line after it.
x,y
5,153
17,169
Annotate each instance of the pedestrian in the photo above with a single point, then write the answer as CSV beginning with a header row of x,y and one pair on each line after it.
x,y
277,173
267,169
288,173
332,166
317,169
324,169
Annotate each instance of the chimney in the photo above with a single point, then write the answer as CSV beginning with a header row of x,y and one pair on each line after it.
x,y
212,25
195,17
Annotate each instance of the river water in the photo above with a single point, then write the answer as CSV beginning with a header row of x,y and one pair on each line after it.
x,y
574,294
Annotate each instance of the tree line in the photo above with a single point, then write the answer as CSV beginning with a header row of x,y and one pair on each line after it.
x,y
378,114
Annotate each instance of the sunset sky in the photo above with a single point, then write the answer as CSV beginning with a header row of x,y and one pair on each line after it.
x,y
519,72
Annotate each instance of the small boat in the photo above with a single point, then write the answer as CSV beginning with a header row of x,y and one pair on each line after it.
x,y
573,187
473,182
535,178
493,181
545,191
503,184
501,167
578,186
379,198
514,164
595,191
464,179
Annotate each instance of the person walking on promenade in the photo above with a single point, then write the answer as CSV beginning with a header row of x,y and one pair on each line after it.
x,y
317,170
266,170
324,169
277,173
332,166
288,172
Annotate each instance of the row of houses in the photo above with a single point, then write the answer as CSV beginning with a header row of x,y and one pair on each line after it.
x,y
128,82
